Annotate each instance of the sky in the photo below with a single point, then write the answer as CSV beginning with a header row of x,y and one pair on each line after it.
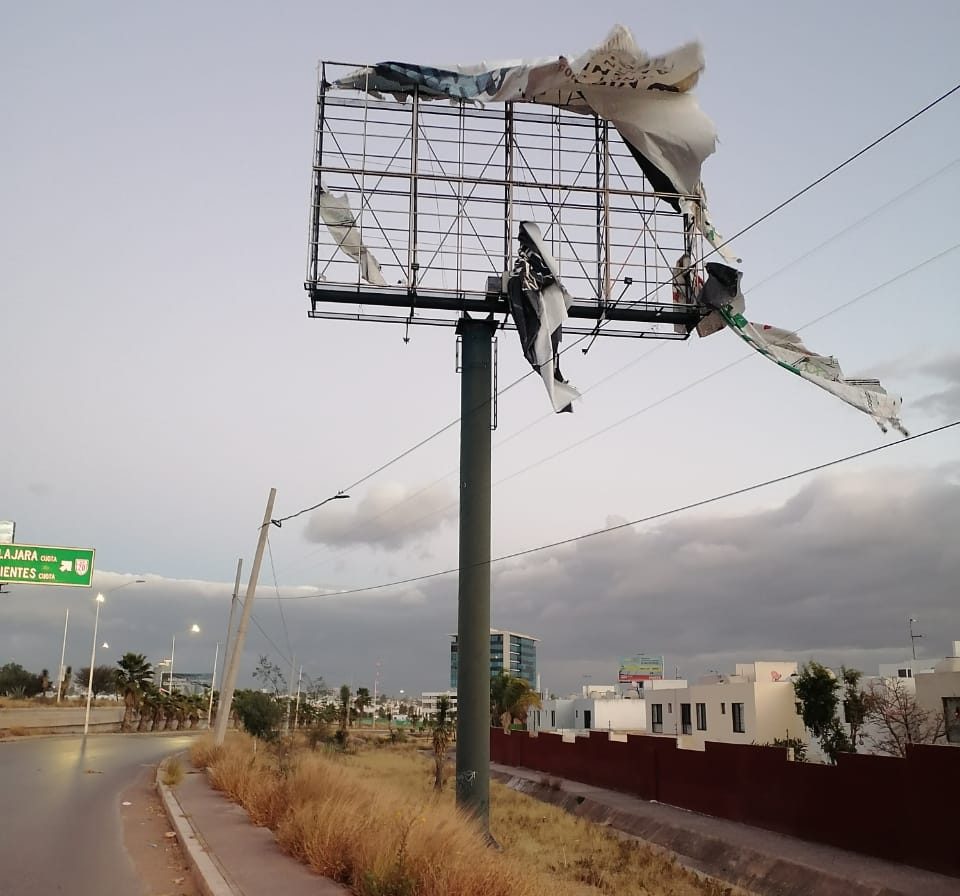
x,y
161,374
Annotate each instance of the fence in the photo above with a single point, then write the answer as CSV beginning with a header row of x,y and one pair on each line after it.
x,y
902,810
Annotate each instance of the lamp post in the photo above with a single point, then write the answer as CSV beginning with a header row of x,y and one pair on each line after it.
x,y
93,659
913,638
173,649
66,622
63,653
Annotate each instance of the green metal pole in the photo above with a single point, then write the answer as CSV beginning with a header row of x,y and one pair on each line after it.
x,y
473,614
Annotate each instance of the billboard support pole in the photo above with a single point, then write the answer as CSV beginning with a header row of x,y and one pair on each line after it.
x,y
473,608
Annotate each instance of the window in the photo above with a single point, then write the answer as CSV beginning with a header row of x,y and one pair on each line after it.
x,y
686,724
657,718
670,708
701,717
901,673
553,718
723,709
738,724
798,706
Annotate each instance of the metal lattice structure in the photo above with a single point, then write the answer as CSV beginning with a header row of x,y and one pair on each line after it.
x,y
437,190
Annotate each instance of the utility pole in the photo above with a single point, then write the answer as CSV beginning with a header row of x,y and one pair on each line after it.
x,y
230,679
296,712
473,612
293,668
376,681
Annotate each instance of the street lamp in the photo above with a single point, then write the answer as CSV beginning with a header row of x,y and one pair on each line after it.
x,y
194,629
66,622
93,659
913,638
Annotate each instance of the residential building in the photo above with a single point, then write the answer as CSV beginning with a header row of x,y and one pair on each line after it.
x,y
599,708
510,652
430,699
939,692
756,704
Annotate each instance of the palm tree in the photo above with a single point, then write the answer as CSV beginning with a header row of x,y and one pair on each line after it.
x,y
362,701
510,700
520,698
442,730
67,675
133,677
148,709
344,707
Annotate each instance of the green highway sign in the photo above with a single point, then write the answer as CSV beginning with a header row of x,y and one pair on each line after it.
x,y
32,564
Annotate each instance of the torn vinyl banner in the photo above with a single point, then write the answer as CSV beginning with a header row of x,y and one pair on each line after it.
x,y
342,224
785,348
538,305
647,98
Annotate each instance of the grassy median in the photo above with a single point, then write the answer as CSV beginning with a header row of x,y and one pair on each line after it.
x,y
370,820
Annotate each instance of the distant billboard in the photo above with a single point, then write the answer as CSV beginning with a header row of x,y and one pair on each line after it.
x,y
8,529
641,667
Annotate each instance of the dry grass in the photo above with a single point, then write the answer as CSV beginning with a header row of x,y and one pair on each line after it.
x,y
173,772
371,821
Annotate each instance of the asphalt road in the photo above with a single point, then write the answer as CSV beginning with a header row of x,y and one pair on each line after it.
x,y
60,827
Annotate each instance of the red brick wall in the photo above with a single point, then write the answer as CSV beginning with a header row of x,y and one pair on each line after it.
x,y
903,810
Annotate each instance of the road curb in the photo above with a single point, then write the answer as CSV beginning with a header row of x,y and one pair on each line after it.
x,y
206,872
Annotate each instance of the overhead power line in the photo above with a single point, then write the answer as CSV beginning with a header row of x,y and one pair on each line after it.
x,y
764,217
654,404
647,519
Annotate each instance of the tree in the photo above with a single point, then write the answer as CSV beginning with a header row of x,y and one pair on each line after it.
x,y
898,720
511,699
817,689
856,703
67,675
362,701
271,676
134,676
149,707
498,691
104,681
259,713
520,698
44,682
344,707
15,681
442,729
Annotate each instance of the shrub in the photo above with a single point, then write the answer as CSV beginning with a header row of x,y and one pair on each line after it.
x,y
259,714
172,772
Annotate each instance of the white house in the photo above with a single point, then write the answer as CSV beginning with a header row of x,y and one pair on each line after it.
x,y
939,692
756,704
430,699
600,708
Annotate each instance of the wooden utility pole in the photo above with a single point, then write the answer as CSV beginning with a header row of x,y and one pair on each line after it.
x,y
230,679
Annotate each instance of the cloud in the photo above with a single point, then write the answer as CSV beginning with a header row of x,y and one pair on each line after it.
x,y
834,572
941,400
389,517
944,403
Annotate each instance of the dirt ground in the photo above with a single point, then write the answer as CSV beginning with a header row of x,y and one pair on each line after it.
x,y
158,859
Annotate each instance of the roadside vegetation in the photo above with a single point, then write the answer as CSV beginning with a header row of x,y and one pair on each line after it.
x,y
368,815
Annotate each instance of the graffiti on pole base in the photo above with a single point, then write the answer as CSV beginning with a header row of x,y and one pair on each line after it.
x,y
465,780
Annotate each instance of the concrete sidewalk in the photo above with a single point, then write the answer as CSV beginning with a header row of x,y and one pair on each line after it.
x,y
760,861
230,855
